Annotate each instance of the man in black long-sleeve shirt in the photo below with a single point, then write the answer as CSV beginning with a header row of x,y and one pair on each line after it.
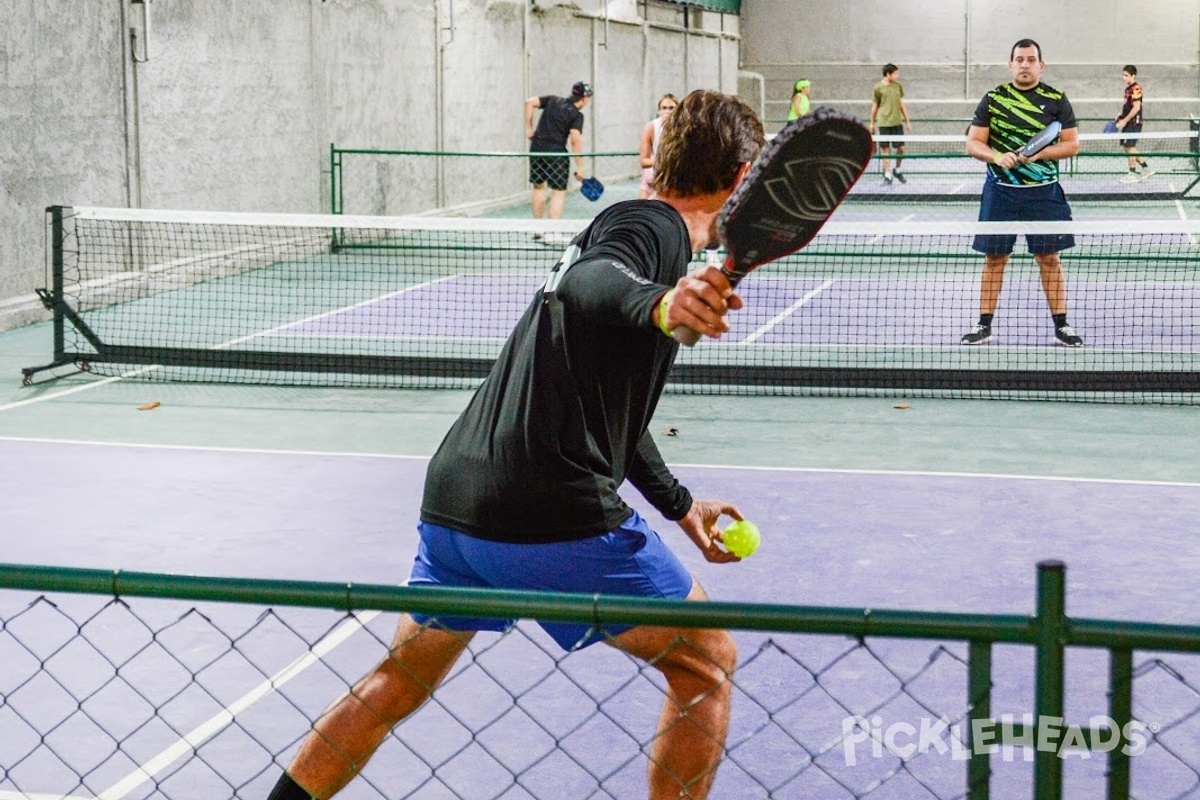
x,y
522,493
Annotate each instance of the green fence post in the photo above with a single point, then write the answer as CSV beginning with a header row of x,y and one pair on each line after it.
x,y
1048,698
337,203
979,695
1120,710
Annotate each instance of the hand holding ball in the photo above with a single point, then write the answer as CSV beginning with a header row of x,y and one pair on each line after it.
x,y
742,538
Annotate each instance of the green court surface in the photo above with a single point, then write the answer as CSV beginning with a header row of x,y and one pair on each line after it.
x,y
1118,442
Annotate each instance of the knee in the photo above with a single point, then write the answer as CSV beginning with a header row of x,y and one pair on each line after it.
x,y
707,661
725,653
391,691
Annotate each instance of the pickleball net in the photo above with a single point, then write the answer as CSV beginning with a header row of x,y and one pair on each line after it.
x,y
867,308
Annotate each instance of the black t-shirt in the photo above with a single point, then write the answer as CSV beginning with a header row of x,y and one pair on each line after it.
x,y
1133,92
1013,116
559,117
561,421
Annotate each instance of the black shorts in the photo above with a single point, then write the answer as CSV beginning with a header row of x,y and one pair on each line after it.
x,y
1133,127
890,130
552,170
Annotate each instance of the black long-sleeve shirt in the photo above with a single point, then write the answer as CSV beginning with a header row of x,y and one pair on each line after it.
x,y
561,421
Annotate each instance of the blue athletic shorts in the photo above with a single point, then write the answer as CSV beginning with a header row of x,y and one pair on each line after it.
x,y
632,560
1001,203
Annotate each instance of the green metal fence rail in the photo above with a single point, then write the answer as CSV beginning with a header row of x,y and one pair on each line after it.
x,y
1049,631
385,182
382,182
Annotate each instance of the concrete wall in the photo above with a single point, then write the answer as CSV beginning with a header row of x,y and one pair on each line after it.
x,y
952,51
232,105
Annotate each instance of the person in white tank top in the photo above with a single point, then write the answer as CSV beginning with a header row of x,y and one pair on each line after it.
x,y
651,133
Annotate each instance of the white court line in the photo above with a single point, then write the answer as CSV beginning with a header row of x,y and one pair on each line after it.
x,y
341,310
75,389
209,449
905,218
685,464
1183,215
222,345
932,474
781,316
30,796
213,726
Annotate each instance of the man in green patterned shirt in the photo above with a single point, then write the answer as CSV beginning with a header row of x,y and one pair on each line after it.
x,y
1023,188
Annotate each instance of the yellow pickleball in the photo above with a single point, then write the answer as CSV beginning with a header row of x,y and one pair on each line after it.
x,y
742,538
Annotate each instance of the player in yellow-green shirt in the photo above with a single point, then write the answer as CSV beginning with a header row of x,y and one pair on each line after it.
x,y
891,114
800,99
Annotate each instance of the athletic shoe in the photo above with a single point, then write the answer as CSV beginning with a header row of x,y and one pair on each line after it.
x,y
1067,337
900,176
1131,177
1146,173
978,336
887,180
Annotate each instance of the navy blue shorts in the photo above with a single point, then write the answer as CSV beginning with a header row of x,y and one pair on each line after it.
x,y
1045,203
631,560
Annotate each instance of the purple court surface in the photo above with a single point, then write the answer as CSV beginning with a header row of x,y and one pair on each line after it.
x,y
858,539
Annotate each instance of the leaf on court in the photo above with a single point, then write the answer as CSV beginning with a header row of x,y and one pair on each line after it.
x,y
149,406
670,431
902,406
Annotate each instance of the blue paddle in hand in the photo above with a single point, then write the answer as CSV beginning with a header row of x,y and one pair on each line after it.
x,y
592,188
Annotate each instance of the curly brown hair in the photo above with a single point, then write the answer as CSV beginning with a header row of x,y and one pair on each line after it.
x,y
704,142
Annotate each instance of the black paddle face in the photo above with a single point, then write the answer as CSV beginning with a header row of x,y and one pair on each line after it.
x,y
789,192
792,188
1042,139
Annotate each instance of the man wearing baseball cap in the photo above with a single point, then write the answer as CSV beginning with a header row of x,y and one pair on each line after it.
x,y
561,122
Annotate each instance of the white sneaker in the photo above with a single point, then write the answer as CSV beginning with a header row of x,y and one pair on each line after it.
x,y
1131,177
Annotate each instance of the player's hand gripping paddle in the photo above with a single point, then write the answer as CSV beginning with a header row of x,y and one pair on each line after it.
x,y
789,192
592,188
1042,139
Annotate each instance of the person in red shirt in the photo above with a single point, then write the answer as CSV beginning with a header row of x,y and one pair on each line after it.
x,y
1130,121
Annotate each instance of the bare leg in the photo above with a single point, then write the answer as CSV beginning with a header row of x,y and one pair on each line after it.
x,y
558,199
991,282
1053,282
537,199
351,730
899,156
1133,156
885,161
691,733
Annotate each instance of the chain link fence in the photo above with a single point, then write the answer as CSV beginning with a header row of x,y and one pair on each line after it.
x,y
123,694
